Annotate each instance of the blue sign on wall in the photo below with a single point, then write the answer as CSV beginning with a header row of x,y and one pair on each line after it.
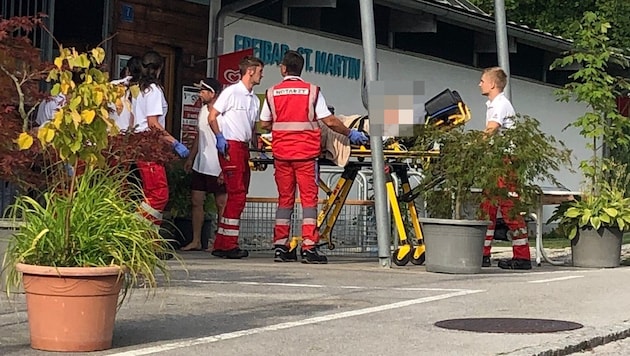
x,y
317,61
127,13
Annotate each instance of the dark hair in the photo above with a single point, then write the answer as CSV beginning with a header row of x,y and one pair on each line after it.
x,y
294,62
134,66
152,63
248,62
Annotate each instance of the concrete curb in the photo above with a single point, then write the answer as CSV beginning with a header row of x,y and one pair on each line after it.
x,y
586,339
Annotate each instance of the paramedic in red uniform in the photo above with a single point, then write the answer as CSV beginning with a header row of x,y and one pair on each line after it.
x,y
237,111
292,110
500,116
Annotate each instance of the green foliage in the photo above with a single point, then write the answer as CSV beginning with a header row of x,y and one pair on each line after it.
x,y
179,189
604,202
523,156
104,224
610,207
80,129
594,86
556,16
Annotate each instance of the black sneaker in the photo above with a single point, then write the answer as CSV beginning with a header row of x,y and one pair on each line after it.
x,y
283,254
233,254
486,262
515,264
313,256
236,254
218,253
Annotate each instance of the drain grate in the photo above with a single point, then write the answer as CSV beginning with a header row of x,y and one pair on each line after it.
x,y
508,325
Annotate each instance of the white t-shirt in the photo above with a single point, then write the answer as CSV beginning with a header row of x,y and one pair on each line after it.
x,y
207,159
239,112
500,110
321,108
122,119
150,102
47,108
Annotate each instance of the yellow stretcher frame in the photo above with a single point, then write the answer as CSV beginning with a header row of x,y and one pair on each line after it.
x,y
409,249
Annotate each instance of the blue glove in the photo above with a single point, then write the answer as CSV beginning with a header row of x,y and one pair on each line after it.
x,y
181,150
357,137
222,144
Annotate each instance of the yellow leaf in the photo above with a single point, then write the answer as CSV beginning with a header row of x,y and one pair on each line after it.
x,y
83,61
59,62
98,98
76,117
99,54
75,102
24,141
88,116
58,118
45,134
104,112
55,89
64,88
88,79
135,90
119,106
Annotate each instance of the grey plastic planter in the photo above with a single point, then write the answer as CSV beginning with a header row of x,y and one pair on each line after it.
x,y
453,246
597,248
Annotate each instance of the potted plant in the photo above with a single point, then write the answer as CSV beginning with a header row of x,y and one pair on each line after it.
x,y
82,242
467,170
595,222
179,209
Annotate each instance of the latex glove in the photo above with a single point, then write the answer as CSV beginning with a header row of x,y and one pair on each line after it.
x,y
181,150
357,137
222,144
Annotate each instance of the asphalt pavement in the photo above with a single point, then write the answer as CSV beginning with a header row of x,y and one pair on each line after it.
x,y
352,306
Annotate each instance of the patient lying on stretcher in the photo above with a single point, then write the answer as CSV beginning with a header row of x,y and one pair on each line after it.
x,y
446,109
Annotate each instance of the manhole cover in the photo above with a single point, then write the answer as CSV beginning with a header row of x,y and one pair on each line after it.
x,y
508,325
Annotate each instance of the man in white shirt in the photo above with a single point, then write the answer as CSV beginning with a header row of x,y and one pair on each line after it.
x,y
500,116
204,163
232,119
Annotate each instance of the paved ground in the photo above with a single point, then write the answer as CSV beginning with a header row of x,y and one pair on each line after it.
x,y
354,307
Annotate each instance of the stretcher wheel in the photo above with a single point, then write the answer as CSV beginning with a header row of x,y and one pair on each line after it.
x,y
331,246
400,260
418,261
418,255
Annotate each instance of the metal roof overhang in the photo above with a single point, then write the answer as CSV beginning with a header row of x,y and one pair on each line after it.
x,y
483,22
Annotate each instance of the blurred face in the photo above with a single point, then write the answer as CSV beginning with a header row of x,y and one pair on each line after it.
x,y
486,84
206,96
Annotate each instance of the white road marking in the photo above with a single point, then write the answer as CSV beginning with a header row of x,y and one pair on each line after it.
x,y
555,279
291,324
300,285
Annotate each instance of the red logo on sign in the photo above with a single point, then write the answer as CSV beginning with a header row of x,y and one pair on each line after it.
x,y
228,66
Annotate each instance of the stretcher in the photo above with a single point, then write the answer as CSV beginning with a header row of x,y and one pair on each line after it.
x,y
446,110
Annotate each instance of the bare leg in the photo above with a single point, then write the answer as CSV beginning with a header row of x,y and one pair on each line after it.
x,y
198,198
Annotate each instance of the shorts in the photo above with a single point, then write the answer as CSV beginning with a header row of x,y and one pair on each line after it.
x,y
206,183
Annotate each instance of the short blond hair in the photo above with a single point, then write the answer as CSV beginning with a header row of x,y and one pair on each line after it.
x,y
498,75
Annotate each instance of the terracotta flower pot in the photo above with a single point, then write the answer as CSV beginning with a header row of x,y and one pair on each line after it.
x,y
71,308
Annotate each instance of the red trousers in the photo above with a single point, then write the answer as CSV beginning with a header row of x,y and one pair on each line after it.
x,y
303,175
516,225
155,188
236,174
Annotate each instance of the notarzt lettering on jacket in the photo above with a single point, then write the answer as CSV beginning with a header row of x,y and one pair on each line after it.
x,y
290,91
